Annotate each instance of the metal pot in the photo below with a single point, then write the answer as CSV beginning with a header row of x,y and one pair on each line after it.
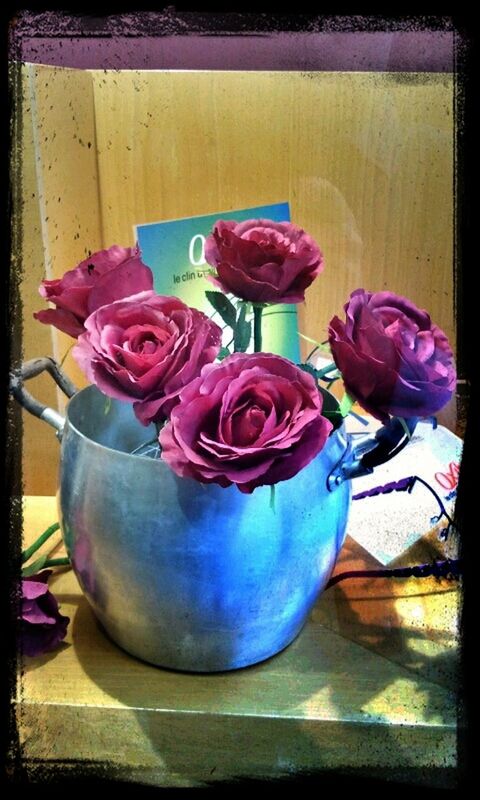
x,y
191,576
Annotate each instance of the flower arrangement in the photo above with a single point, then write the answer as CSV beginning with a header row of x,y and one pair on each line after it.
x,y
224,414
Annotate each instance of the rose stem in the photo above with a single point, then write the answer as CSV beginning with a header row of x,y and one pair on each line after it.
x,y
257,328
57,562
38,543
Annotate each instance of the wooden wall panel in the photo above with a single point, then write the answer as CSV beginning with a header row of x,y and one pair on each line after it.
x,y
365,160
40,451
61,224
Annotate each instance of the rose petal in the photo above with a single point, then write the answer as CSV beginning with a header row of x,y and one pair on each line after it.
x,y
252,420
263,261
392,358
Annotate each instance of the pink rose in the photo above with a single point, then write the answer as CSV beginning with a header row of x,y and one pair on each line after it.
x,y
102,278
42,627
145,349
263,261
253,419
393,359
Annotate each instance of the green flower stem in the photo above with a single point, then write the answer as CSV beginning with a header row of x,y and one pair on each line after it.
x,y
272,497
57,562
326,370
257,328
66,354
346,404
28,553
311,353
405,427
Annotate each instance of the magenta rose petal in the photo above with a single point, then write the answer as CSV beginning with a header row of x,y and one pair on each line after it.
x,y
145,349
286,468
128,278
233,280
263,261
75,300
42,626
65,321
102,277
32,613
251,420
35,585
387,302
388,352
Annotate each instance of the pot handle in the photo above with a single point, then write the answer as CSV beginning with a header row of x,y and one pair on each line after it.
x,y
371,451
30,369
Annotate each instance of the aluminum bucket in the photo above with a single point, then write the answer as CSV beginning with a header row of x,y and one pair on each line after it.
x,y
193,576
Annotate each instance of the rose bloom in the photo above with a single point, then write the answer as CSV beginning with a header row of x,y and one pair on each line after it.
x,y
102,278
42,627
393,359
263,261
144,349
253,419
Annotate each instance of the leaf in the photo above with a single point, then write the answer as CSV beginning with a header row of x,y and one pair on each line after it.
x,y
224,352
308,368
239,303
325,370
405,427
331,381
242,333
334,417
223,306
345,404
108,405
33,568
320,374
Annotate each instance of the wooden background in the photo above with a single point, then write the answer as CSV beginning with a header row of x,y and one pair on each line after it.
x,y
365,160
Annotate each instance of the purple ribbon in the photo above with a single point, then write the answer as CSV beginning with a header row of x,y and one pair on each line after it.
x,y
450,568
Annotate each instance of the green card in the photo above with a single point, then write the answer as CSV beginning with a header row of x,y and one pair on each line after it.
x,y
174,251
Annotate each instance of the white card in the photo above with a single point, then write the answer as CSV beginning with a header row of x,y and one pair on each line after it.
x,y
387,525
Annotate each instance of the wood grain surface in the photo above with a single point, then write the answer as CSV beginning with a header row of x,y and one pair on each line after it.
x,y
370,683
364,159
38,440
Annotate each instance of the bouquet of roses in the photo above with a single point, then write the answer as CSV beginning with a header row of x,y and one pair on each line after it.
x,y
225,415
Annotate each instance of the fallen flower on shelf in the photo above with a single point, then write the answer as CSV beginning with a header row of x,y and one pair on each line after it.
x,y
42,626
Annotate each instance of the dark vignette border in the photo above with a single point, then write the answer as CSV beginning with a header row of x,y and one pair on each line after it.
x,y
255,26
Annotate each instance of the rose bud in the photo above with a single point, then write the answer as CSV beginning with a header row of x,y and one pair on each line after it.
x,y
393,359
42,627
251,420
263,261
102,278
144,349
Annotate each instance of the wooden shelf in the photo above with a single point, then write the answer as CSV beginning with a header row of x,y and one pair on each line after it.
x,y
370,683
